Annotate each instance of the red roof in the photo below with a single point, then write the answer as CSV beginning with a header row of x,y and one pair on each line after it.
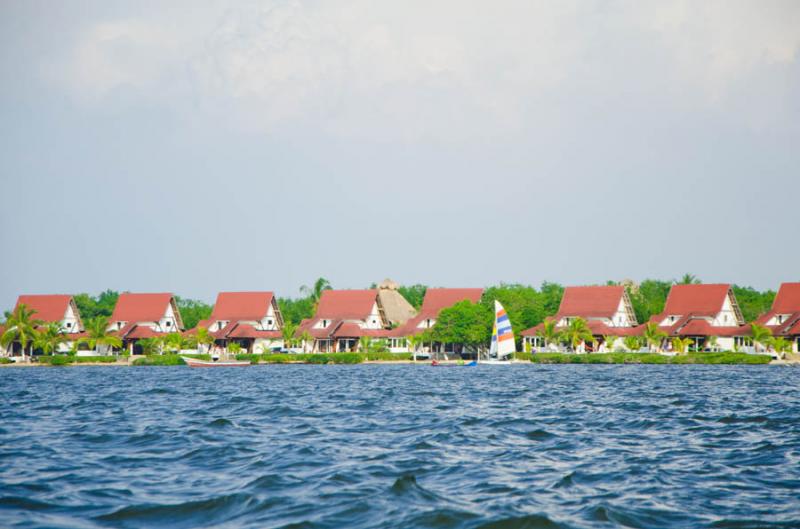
x,y
141,331
245,330
795,330
241,306
788,299
701,327
590,302
346,304
597,327
49,308
700,300
353,330
437,299
141,307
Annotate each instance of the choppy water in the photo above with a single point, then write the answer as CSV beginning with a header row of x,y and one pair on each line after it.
x,y
400,446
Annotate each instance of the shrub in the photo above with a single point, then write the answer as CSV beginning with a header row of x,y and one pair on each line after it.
x,y
4,360
386,356
160,360
55,360
253,358
649,358
95,359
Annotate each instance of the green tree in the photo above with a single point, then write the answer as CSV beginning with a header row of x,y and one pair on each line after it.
x,y
287,332
649,298
464,323
681,345
609,342
20,327
414,294
653,336
523,304
753,303
761,335
688,279
174,342
307,339
48,338
548,332
781,345
314,292
204,338
92,307
193,311
97,336
150,346
632,343
296,310
234,348
414,341
364,343
578,332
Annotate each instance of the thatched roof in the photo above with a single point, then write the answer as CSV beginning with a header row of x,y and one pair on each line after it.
x,y
396,308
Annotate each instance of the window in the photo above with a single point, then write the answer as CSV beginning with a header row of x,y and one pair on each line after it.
x,y
69,324
780,318
374,322
269,322
726,318
324,323
169,323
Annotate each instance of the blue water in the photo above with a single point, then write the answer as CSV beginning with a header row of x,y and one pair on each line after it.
x,y
400,446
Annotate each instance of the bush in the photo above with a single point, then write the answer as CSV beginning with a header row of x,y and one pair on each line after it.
x,y
95,359
387,356
55,360
253,358
4,360
160,360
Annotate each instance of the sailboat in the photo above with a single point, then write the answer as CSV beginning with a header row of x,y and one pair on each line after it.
x,y
502,338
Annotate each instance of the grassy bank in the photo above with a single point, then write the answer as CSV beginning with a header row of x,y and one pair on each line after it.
x,y
324,358
167,360
63,360
649,358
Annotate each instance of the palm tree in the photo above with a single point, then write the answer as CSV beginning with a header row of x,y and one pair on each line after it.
x,y
174,342
234,348
98,336
20,327
689,279
364,344
781,345
306,338
761,335
578,332
608,341
315,292
681,345
287,332
49,338
414,341
653,336
632,343
149,345
711,343
548,332
203,337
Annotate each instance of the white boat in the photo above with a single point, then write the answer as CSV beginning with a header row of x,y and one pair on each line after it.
x,y
502,339
195,362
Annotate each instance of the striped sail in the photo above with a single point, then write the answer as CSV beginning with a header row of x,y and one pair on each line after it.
x,y
502,335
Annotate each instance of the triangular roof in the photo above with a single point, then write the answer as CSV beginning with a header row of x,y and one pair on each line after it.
x,y
437,299
241,306
787,300
133,307
346,304
50,308
590,301
698,300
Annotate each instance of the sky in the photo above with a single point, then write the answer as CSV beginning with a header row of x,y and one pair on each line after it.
x,y
204,146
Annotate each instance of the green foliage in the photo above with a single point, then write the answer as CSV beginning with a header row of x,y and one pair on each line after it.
x,y
689,279
296,310
681,345
752,302
577,332
56,360
20,326
649,358
174,342
632,343
234,348
159,360
252,358
414,294
465,323
101,305
4,360
150,346
653,336
48,338
192,311
96,334
95,359
649,298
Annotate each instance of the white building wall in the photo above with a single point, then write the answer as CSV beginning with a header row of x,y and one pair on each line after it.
x,y
168,318
727,316
374,320
621,318
70,322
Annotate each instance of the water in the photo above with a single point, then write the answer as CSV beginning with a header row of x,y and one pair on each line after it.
x,y
400,446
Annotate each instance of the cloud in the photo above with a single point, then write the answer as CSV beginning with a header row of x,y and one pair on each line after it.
x,y
419,69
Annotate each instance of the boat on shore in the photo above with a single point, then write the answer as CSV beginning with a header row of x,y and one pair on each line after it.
x,y
195,362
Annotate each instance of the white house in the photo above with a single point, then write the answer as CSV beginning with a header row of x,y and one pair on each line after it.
x,y
251,319
138,316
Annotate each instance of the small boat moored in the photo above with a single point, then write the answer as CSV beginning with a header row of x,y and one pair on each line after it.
x,y
195,362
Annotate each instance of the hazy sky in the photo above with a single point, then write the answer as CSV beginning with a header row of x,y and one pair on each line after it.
x,y
204,147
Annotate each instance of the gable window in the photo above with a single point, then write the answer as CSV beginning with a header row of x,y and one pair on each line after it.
x,y
780,318
169,323
269,322
69,324
374,322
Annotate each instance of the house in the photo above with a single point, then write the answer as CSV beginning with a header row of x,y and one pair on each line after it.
x,y
138,316
343,317
706,314
435,300
54,308
251,319
783,319
607,310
